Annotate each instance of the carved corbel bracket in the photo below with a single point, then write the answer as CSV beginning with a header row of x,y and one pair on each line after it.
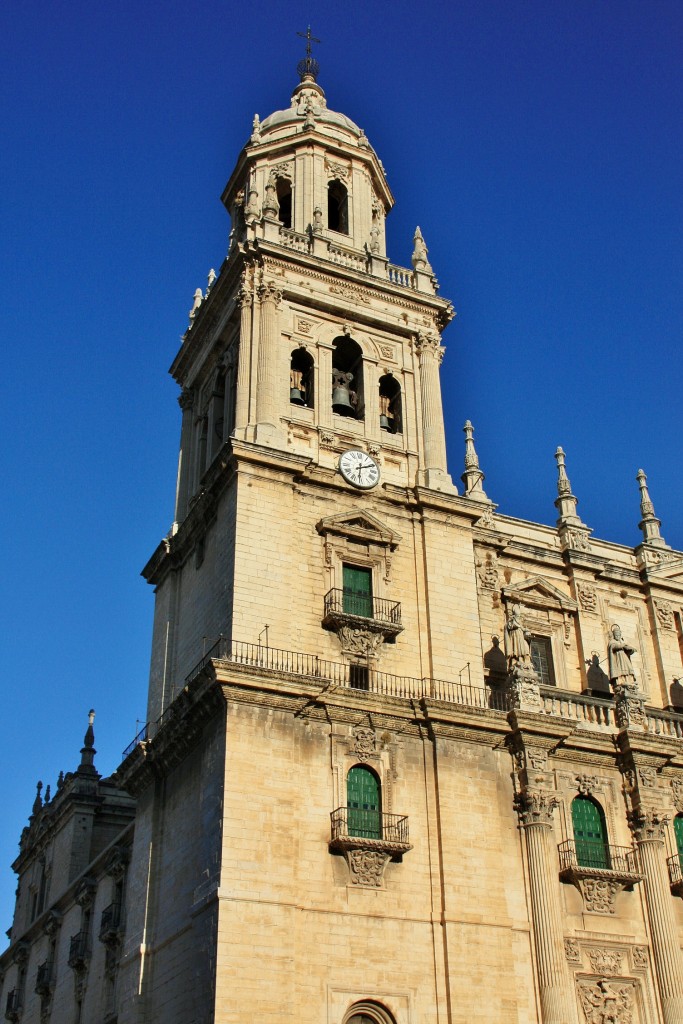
x,y
599,889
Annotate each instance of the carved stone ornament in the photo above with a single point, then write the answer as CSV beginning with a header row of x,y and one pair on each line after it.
x,y
304,326
367,866
524,687
364,642
640,958
269,292
588,597
337,170
535,807
629,708
327,438
117,862
537,759
599,894
352,294
578,539
487,572
429,341
648,826
52,923
285,169
364,742
607,1002
664,613
486,520
86,892
586,784
605,961
572,950
647,777
677,789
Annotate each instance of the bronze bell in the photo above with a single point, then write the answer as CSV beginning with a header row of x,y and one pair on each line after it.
x,y
297,391
341,394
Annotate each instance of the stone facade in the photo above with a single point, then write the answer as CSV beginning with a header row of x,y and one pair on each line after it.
x,y
492,681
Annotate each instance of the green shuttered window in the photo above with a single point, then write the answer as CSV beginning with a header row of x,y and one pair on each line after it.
x,y
590,833
364,803
357,591
678,832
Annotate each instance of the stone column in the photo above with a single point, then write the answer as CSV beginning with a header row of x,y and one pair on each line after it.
x,y
558,999
267,383
186,403
649,830
434,470
246,302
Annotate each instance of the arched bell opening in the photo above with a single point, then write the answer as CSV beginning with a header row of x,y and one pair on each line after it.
x,y
390,411
347,378
301,378
338,207
283,188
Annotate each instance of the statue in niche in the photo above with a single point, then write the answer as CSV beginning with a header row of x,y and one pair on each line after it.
x,y
517,644
619,654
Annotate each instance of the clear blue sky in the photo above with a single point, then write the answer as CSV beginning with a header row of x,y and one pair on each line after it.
x,y
536,142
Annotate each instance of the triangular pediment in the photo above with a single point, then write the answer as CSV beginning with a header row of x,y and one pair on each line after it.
x,y
361,525
536,592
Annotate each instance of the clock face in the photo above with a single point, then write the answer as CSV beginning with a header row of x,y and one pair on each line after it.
x,y
359,469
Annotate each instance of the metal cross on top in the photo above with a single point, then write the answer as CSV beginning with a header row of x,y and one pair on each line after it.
x,y
309,65
309,39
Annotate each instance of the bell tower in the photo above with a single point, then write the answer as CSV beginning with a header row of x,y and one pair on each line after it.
x,y
310,377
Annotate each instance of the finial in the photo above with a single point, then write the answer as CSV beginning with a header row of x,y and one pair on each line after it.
x,y
308,68
255,130
649,523
60,781
420,261
473,477
37,803
565,503
271,207
87,765
210,280
47,793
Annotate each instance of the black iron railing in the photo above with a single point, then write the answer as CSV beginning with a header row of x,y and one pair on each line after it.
x,y
597,857
348,602
13,1004
110,921
79,949
43,978
358,822
329,673
675,865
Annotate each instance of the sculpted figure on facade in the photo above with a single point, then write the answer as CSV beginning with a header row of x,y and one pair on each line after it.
x,y
619,655
517,643
606,1003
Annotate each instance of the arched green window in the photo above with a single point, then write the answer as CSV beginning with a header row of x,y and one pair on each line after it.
x,y
590,833
678,832
363,799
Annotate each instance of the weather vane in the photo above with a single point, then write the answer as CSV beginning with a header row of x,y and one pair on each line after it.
x,y
309,65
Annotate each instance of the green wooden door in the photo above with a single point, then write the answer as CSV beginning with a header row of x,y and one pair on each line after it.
x,y
363,802
678,832
590,833
357,591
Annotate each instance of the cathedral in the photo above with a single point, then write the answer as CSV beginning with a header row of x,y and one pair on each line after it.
x,y
407,759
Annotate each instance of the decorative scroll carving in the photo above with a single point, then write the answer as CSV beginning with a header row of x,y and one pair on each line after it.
x,y
677,789
640,958
303,326
647,777
578,539
605,961
586,784
599,894
648,826
487,572
365,642
365,742
367,866
572,950
429,342
269,292
588,597
285,169
607,1003
664,613
86,893
629,708
535,807
523,686
337,170
352,294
